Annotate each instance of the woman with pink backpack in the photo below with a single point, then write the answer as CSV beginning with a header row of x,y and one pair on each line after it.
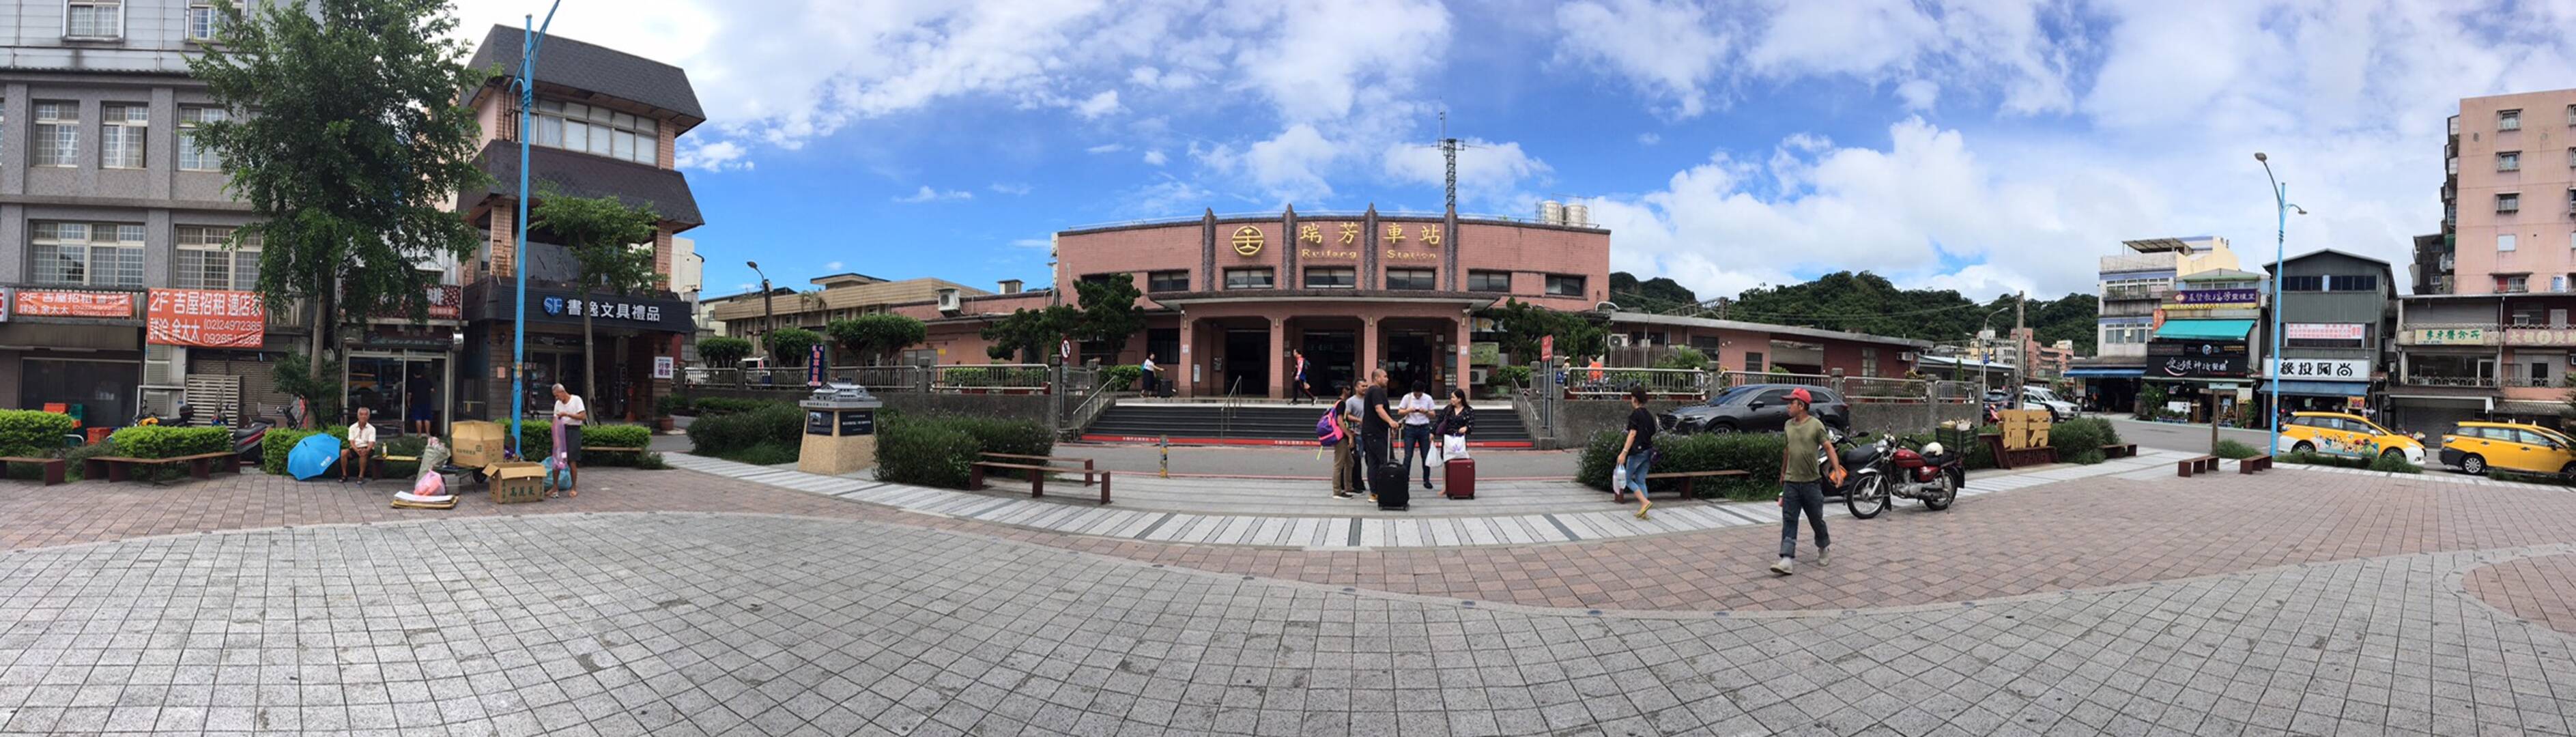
x,y
1334,431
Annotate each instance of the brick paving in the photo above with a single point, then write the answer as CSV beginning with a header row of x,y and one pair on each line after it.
x,y
766,625
2541,589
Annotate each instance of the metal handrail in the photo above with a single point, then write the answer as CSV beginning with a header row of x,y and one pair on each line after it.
x,y
1093,405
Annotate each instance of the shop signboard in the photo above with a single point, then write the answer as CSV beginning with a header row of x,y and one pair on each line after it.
x,y
205,318
48,303
2196,359
2325,369
2324,331
4,304
2451,336
607,311
662,367
2219,297
2540,337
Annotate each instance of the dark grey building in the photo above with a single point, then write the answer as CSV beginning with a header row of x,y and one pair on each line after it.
x,y
2338,311
102,197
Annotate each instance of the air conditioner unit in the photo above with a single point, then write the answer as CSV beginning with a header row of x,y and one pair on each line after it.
x,y
1906,356
1618,341
949,303
1477,376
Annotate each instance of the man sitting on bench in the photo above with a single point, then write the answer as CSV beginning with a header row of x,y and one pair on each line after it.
x,y
362,443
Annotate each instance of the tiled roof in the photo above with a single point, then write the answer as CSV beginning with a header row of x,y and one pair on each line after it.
x,y
585,175
594,68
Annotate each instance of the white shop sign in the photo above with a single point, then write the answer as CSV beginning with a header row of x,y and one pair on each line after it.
x,y
2325,369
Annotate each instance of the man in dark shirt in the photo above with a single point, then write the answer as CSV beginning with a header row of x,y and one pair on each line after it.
x,y
423,409
1375,423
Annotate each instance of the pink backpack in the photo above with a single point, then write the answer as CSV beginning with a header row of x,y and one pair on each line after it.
x,y
1328,430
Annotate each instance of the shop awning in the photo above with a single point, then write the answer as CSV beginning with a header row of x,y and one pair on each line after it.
x,y
2320,388
2205,329
2105,373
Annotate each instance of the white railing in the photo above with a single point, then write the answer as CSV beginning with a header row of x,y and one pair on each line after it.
x,y
1585,382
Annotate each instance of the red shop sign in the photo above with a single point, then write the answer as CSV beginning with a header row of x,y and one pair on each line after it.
x,y
109,305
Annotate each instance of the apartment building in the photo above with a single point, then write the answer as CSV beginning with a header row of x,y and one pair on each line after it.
x,y
2135,288
107,207
2509,195
2338,310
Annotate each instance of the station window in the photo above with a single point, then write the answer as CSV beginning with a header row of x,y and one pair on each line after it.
x,y
1412,279
1110,277
1489,281
1177,280
1332,277
1562,285
1248,278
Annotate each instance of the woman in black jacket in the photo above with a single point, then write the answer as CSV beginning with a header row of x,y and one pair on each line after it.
x,y
1456,419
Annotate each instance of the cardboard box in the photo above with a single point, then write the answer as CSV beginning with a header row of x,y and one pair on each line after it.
x,y
517,482
478,444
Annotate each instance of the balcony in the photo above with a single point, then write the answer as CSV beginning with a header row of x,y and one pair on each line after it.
x,y
2138,262
2129,308
2466,382
2135,292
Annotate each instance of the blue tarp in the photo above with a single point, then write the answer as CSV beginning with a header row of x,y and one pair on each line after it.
x,y
2205,329
313,456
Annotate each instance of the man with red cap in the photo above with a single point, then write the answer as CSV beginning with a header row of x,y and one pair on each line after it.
x,y
1798,476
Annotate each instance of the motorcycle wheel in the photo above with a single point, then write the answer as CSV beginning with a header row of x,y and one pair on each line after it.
x,y
1942,495
1867,498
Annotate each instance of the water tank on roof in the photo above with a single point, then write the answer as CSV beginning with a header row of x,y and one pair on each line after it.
x,y
1551,212
1578,215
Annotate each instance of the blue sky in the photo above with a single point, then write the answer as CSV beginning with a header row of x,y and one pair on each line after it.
x,y
1982,145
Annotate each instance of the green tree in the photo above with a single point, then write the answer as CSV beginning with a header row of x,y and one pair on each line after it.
x,y
1522,325
1027,334
874,336
346,137
1108,310
603,235
790,346
319,389
723,351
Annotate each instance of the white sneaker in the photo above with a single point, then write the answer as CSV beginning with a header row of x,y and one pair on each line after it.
x,y
1781,567
1824,558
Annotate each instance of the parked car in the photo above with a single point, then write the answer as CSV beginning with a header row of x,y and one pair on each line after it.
x,y
1757,408
2346,435
2474,447
2039,397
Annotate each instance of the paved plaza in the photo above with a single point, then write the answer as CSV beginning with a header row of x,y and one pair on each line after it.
x,y
681,602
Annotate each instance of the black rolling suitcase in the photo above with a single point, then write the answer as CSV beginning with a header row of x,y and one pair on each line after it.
x,y
1388,482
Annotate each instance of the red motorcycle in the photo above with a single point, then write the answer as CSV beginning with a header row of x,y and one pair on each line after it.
x,y
1932,475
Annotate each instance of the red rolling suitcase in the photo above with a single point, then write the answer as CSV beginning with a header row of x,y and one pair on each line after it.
x,y
1461,473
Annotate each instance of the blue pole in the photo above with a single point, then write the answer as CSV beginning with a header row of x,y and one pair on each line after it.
x,y
2280,241
528,43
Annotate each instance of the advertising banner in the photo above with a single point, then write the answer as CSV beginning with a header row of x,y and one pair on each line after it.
x,y
41,303
2323,331
205,318
2325,369
2196,359
2215,297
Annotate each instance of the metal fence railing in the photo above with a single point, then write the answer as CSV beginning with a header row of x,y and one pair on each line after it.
x,y
1006,378
1590,383
1886,389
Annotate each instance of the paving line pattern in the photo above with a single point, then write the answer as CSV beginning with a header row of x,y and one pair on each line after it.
x,y
1080,517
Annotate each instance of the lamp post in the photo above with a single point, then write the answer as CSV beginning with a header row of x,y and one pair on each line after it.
x,y
530,39
2280,239
768,314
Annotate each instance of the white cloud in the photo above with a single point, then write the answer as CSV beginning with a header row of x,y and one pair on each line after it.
x,y
1649,139
1014,188
1155,157
833,266
1665,46
1489,173
926,194
717,156
1919,94
1107,148
1098,105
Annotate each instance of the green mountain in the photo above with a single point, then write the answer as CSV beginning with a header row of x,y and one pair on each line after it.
x,y
1868,303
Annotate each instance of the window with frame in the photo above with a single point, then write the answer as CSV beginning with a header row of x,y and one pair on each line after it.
x,y
2513,284
2509,120
597,130
86,254
1489,281
1177,280
207,260
1412,279
2509,202
1753,362
1110,277
1332,277
1564,285
2508,161
1259,278
2303,284
57,134
94,18
121,135
193,154
1869,362
206,18
2353,283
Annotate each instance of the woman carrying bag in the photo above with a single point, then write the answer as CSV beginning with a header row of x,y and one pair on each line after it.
x,y
1451,427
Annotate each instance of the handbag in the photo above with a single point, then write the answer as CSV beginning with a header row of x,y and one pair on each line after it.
x,y
1453,446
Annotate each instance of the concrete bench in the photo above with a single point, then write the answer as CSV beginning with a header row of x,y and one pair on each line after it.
x,y
2254,464
1037,476
53,467
2202,464
115,468
2120,450
1087,464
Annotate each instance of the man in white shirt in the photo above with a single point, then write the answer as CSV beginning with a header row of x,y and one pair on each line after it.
x,y
570,413
362,443
1416,408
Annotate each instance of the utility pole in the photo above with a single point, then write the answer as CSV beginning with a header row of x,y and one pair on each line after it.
x,y
532,38
2021,362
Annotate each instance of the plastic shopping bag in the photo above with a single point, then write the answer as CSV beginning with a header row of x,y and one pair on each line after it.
x,y
1453,446
1619,478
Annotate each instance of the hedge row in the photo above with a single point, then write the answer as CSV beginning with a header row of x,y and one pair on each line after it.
x,y
26,432
937,450
1759,455
777,425
156,441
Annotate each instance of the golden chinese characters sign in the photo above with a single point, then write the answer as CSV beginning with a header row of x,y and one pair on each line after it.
x,y
1247,240
1426,234
2025,429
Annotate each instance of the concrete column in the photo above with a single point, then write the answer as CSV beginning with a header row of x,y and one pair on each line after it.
x,y
1368,351
1279,363
1181,366
1464,376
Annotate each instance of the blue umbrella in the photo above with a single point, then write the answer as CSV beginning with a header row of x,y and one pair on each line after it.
x,y
313,456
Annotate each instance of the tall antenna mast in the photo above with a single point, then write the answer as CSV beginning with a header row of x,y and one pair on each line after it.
x,y
1449,154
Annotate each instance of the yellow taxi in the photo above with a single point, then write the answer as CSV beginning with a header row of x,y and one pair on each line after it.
x,y
2475,447
2346,435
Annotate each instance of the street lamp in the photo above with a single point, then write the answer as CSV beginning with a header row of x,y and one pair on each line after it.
x,y
767,314
530,40
2280,239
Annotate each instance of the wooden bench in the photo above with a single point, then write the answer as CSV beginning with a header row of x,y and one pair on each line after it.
x,y
2188,466
2254,464
1007,457
53,467
114,468
1037,476
2120,450
1689,476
